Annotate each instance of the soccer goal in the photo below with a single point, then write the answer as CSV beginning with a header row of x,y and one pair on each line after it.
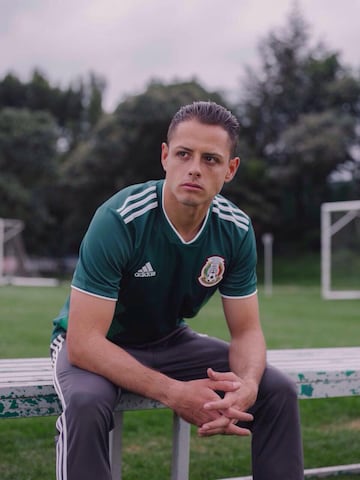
x,y
10,251
14,269
340,250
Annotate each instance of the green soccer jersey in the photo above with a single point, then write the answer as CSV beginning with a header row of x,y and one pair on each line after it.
x,y
133,255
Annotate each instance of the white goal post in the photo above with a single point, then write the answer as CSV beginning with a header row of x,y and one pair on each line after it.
x,y
9,229
340,250
13,258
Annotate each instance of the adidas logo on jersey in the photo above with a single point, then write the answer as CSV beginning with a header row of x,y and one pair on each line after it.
x,y
146,271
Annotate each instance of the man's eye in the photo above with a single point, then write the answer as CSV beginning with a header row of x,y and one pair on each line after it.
x,y
210,159
182,154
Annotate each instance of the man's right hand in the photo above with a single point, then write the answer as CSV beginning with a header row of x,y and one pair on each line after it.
x,y
187,399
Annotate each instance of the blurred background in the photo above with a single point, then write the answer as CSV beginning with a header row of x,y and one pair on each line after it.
x,y
87,90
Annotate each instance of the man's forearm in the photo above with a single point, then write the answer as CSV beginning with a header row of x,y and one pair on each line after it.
x,y
99,355
114,363
247,356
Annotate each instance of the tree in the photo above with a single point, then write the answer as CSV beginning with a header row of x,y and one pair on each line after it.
x,y
28,165
76,108
94,91
12,92
299,116
307,153
40,124
274,97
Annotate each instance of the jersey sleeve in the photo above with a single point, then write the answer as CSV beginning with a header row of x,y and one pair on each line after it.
x,y
240,280
103,255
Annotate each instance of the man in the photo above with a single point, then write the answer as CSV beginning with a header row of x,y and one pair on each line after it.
x,y
153,255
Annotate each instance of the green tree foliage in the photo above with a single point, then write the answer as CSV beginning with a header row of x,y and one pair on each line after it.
x,y
28,165
299,115
40,124
76,108
306,154
61,156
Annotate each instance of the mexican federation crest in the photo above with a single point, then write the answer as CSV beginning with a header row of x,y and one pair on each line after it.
x,y
212,272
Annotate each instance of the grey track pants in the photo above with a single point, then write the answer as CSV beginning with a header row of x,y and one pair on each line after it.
x,y
88,401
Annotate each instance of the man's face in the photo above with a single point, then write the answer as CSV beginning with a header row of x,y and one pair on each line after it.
x,y
197,163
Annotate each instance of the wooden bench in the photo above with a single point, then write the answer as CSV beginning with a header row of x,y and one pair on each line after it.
x,y
26,390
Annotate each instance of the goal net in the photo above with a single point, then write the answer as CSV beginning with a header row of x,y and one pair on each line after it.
x,y
340,250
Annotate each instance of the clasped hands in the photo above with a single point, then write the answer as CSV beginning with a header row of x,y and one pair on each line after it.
x,y
201,405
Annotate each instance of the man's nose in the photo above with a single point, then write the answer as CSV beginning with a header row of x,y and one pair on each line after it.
x,y
195,166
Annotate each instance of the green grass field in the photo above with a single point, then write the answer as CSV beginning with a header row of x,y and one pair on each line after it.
x,y
294,316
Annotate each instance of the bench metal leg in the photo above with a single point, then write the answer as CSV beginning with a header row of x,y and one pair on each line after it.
x,y
181,449
116,446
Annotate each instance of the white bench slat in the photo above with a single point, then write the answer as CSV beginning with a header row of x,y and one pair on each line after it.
x,y
26,387
320,372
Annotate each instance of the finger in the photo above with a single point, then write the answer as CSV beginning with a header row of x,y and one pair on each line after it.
x,y
224,423
218,425
224,385
229,411
208,430
198,418
231,430
234,429
238,415
214,375
219,403
227,406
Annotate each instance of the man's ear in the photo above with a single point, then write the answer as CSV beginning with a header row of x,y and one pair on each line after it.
x,y
232,169
164,155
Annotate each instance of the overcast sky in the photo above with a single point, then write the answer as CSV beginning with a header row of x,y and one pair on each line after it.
x,y
130,42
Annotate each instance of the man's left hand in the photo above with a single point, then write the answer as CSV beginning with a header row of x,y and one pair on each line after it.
x,y
233,407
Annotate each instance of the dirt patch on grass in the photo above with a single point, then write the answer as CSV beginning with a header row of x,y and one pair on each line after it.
x,y
353,425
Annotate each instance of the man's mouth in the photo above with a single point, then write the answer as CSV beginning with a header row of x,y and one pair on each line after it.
x,y
191,186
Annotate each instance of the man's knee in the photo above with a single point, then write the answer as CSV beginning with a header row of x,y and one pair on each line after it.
x,y
275,382
90,405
